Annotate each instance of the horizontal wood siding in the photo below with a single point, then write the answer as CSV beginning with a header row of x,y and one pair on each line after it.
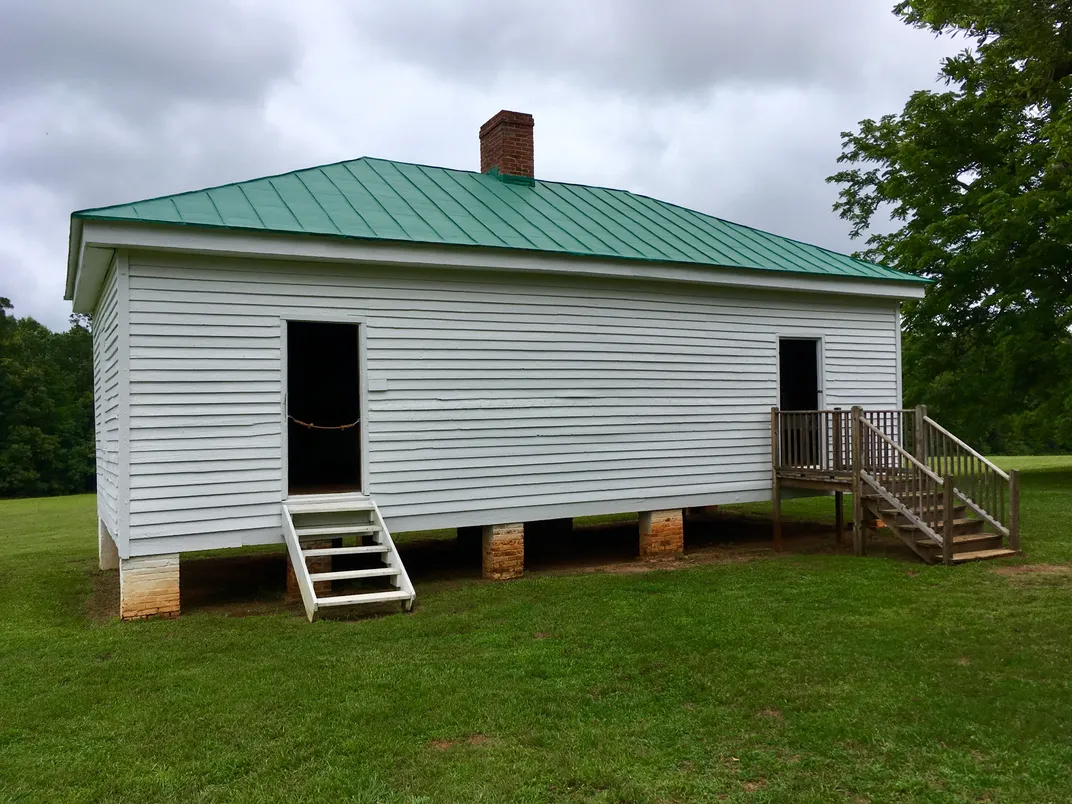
x,y
106,400
503,392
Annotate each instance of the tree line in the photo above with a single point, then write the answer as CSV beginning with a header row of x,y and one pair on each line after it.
x,y
46,407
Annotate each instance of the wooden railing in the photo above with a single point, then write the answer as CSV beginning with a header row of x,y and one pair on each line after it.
x,y
813,440
821,440
991,493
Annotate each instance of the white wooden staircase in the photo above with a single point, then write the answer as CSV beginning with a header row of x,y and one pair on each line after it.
x,y
337,541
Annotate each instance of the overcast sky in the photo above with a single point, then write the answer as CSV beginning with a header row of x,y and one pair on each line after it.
x,y
732,107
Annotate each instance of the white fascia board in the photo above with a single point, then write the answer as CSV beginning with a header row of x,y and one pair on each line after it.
x,y
93,266
225,242
74,257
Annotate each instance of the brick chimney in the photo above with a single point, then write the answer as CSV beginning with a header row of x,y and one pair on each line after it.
x,y
506,144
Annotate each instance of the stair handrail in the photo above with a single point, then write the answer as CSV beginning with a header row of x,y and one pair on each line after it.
x,y
975,453
384,537
891,498
912,458
1011,531
297,560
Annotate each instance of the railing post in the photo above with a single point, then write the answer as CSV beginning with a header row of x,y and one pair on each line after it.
x,y
1014,510
838,438
856,447
776,491
919,435
947,519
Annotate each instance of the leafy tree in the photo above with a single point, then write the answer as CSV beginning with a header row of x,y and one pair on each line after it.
x,y
46,407
978,178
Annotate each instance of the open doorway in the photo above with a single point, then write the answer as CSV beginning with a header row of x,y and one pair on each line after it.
x,y
799,390
323,408
798,373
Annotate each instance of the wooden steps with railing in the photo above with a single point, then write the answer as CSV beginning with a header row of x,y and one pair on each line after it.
x,y
905,471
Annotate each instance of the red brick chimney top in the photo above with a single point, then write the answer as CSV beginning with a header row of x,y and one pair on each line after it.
x,y
506,144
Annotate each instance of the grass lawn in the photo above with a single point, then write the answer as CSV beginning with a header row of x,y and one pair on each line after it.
x,y
796,678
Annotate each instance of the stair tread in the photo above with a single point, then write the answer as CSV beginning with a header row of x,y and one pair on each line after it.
x,y
342,575
967,538
346,551
956,523
326,505
335,530
367,597
978,555
940,508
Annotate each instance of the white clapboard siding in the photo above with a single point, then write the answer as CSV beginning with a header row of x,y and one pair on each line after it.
x,y
106,379
499,396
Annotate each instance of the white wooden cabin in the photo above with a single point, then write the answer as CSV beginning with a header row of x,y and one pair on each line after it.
x,y
498,350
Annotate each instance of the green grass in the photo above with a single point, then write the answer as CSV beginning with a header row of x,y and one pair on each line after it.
x,y
796,678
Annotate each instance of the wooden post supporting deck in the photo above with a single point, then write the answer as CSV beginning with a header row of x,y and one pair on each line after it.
x,y
919,436
1014,510
948,502
839,460
776,493
857,484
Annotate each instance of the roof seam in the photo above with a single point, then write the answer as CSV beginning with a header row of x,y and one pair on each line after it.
x,y
728,230
435,204
331,220
454,198
653,241
573,219
509,193
403,199
345,198
553,188
710,239
208,195
611,195
379,203
486,206
252,206
275,190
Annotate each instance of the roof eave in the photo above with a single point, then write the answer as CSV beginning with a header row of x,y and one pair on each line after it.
x,y
112,234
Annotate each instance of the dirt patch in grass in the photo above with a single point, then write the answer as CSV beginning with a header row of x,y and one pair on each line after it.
x,y
475,739
103,602
1033,569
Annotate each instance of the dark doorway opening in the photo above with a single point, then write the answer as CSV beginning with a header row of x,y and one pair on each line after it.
x,y
798,373
798,379
323,408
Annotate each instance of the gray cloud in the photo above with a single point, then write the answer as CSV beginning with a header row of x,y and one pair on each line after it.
x,y
733,108
636,47
128,51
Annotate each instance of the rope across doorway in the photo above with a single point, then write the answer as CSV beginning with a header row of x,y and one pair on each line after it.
x,y
324,426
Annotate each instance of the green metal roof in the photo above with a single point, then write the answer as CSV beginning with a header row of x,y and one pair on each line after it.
x,y
376,199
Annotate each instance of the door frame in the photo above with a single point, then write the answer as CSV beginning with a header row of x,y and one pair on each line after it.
x,y
820,365
313,317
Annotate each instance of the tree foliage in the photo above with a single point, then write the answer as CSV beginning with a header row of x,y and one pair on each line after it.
x,y
46,407
978,180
